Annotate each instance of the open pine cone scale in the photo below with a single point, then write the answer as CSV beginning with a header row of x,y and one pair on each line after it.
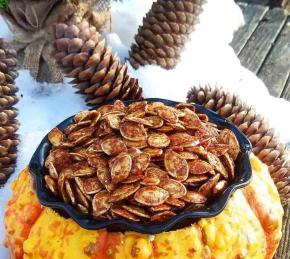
x,y
265,141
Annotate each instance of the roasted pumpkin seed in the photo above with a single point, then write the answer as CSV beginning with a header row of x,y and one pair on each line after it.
x,y
51,184
175,165
199,166
55,137
194,197
123,192
151,195
162,216
113,146
137,211
226,136
120,168
101,203
174,188
158,208
158,140
133,131
125,214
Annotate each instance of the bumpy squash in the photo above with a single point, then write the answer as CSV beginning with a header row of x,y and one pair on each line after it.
x,y
249,227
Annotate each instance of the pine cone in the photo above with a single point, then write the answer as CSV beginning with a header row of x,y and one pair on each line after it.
x,y
164,32
8,122
265,141
97,72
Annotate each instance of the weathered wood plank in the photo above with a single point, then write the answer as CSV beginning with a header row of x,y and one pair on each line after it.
x,y
286,91
242,5
283,251
276,69
253,14
260,2
256,49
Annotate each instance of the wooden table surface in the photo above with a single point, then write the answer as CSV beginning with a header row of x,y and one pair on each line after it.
x,y
263,46
283,251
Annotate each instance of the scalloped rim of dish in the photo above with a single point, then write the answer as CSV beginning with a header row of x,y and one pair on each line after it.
x,y
243,169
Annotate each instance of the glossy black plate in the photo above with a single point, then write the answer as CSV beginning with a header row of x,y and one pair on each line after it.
x,y
243,177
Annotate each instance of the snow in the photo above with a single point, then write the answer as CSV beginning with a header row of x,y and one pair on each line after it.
x,y
208,58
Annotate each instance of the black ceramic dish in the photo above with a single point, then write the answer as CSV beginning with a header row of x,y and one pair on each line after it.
x,y
243,177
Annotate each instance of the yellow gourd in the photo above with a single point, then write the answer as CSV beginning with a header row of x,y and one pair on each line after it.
x,y
249,227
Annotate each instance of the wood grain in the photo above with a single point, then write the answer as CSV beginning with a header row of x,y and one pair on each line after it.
x,y
260,2
276,69
257,48
286,91
253,14
283,251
